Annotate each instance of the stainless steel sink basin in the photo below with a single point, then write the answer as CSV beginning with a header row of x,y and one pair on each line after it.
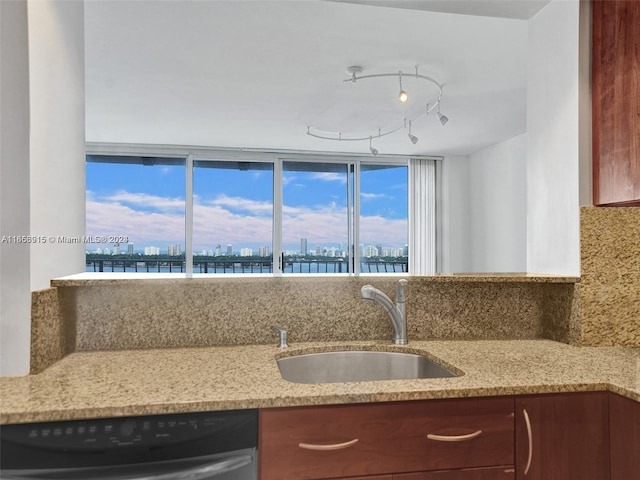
x,y
358,366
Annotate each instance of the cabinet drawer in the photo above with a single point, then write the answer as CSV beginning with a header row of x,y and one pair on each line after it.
x,y
495,473
368,439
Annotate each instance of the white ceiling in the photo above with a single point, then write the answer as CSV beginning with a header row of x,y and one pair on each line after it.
x,y
256,73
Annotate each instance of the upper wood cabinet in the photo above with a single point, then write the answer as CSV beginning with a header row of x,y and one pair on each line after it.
x,y
616,102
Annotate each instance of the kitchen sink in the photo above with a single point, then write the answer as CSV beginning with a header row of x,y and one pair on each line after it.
x,y
358,366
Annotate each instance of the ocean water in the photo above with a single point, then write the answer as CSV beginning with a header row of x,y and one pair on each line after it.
x,y
290,267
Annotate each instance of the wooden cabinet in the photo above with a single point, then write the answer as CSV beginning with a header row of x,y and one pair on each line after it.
x,y
375,477
496,473
586,436
562,437
492,473
624,425
616,102
386,438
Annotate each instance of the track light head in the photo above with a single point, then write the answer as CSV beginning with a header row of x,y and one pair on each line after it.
x,y
443,119
402,96
413,138
374,151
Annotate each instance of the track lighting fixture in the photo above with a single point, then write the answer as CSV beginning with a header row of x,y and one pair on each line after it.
x,y
355,76
374,151
413,138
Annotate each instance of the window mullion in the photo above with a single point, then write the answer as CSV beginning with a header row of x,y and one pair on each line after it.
x,y
188,215
355,241
277,216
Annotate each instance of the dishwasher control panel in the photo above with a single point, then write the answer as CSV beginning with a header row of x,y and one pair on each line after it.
x,y
114,440
151,430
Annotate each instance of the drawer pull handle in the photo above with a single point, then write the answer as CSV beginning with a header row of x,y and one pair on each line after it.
x,y
530,438
334,446
454,438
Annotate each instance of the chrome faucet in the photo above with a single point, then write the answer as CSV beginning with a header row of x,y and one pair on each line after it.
x,y
396,312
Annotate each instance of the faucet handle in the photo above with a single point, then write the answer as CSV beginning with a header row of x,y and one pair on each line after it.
x,y
282,343
402,283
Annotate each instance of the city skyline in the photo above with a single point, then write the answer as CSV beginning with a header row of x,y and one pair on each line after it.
x,y
263,251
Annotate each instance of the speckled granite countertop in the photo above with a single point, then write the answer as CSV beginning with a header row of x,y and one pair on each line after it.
x,y
138,382
118,278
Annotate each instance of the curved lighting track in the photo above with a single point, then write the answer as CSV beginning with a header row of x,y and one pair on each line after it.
x,y
382,132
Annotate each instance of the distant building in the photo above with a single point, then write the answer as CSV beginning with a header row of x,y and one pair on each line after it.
x,y
177,249
151,250
229,249
218,250
246,252
130,249
116,249
303,246
318,250
405,251
370,251
170,250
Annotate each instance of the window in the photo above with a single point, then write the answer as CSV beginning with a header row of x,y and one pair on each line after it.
x,y
251,212
232,217
135,210
383,218
316,217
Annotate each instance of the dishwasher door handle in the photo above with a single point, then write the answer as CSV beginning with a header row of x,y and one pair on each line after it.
x,y
201,471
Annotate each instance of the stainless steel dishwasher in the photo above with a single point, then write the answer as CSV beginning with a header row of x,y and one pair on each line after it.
x,y
194,446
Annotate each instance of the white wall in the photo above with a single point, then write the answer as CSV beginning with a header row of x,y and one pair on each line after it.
x,y
56,62
534,176
553,223
456,221
42,171
484,209
15,296
498,207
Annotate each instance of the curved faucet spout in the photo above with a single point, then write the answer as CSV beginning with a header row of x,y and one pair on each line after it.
x,y
396,311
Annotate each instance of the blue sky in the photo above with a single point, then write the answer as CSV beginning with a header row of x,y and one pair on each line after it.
x,y
146,203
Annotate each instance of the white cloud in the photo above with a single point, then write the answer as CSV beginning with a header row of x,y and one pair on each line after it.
x,y
390,232
146,200
372,196
235,220
330,177
287,179
239,203
144,228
